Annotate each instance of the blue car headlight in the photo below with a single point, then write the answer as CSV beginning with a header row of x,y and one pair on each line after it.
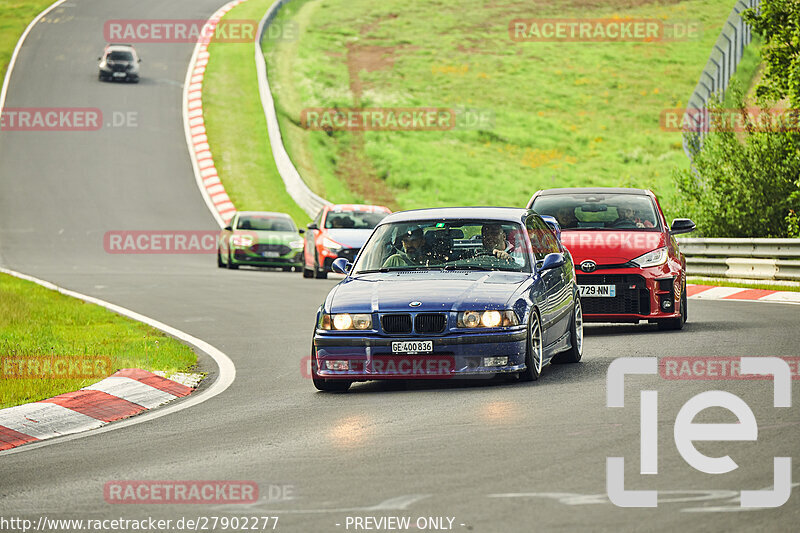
x,y
343,321
487,319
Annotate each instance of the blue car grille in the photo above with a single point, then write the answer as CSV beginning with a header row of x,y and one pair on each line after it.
x,y
396,323
430,322
424,323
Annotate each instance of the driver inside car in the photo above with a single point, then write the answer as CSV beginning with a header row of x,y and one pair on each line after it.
x,y
414,250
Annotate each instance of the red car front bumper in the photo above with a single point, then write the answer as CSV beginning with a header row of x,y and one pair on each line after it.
x,y
640,294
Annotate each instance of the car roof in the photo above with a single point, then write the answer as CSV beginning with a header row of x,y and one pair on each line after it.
x,y
356,207
510,214
595,190
267,213
117,47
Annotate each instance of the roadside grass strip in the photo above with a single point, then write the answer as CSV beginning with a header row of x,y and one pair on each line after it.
x,y
52,344
226,118
126,393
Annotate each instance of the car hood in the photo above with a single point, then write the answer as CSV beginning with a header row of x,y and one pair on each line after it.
x,y
606,247
349,238
437,291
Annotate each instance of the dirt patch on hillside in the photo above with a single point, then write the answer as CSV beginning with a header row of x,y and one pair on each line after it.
x,y
354,167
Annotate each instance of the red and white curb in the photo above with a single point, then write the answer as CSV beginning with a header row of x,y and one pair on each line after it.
x,y
709,292
205,172
122,395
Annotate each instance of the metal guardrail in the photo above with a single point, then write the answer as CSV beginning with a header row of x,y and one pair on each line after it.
x,y
308,201
758,259
725,57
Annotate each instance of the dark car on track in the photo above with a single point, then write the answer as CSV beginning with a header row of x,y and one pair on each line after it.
x,y
450,292
629,265
119,62
338,231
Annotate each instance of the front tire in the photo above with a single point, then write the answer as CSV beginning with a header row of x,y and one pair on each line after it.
x,y
231,266
534,350
319,273
573,355
220,264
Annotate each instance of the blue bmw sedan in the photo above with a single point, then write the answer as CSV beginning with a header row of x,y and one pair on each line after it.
x,y
450,292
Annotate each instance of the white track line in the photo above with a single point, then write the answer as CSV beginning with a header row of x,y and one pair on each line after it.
x,y
17,48
227,370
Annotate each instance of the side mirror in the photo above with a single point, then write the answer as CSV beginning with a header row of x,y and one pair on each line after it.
x,y
682,225
552,261
341,265
312,226
140,60
301,231
228,228
100,58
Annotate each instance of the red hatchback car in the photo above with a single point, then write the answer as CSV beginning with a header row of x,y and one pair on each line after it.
x,y
627,260
338,231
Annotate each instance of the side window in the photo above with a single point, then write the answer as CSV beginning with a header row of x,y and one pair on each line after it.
x,y
542,240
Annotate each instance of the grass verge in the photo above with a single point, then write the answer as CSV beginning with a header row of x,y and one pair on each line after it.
x,y
36,322
719,282
15,15
564,114
236,127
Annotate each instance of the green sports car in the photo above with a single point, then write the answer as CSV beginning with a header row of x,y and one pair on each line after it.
x,y
260,238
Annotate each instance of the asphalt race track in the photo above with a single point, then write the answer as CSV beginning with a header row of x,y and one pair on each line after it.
x,y
496,456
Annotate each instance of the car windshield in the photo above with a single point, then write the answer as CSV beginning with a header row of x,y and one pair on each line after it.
x,y
446,244
120,56
265,223
353,219
588,211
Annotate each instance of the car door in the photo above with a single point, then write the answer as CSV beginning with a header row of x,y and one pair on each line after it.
x,y
541,246
311,240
